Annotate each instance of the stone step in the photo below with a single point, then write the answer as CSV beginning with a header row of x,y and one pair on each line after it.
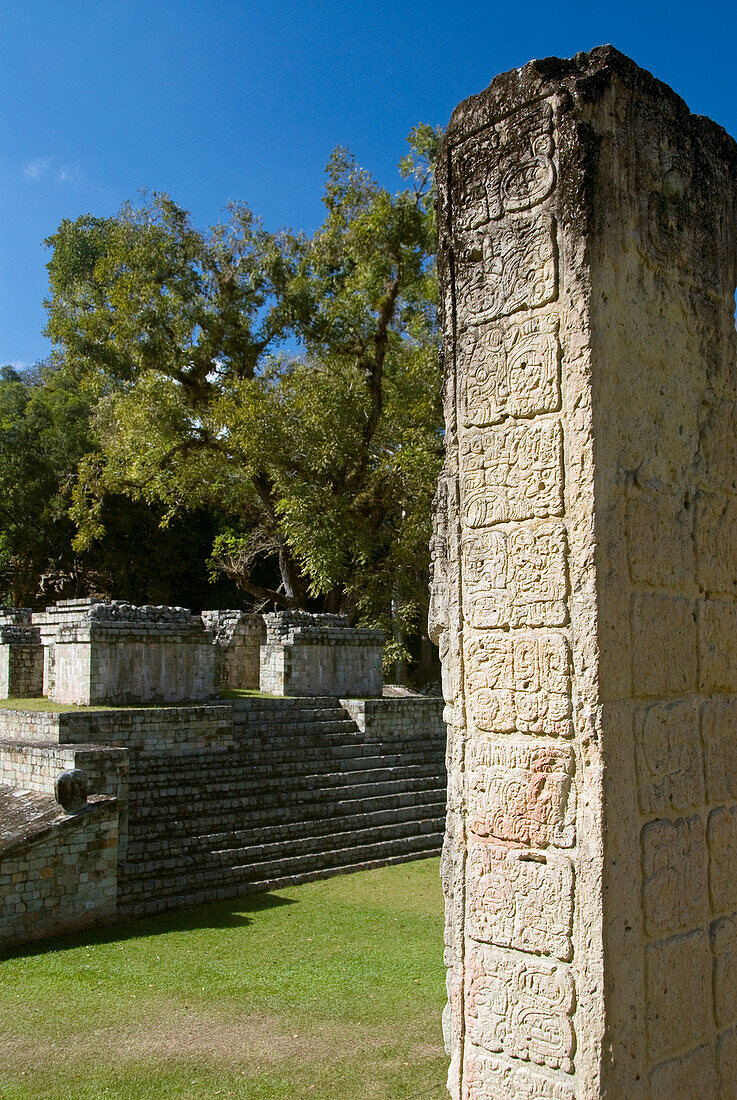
x,y
155,903
190,810
210,785
229,762
286,814
289,831
142,862
194,880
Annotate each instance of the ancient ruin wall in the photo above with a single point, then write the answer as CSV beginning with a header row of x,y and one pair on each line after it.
x,y
584,588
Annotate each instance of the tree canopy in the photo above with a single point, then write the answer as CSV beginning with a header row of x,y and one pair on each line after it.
x,y
289,383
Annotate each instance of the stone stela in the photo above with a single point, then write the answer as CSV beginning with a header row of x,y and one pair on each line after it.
x,y
584,588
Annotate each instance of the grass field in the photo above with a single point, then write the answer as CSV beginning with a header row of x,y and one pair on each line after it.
x,y
333,990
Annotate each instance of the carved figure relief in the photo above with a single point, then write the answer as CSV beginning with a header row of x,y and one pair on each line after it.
x,y
490,1078
521,1007
513,371
521,899
507,167
522,794
516,578
511,473
507,267
519,682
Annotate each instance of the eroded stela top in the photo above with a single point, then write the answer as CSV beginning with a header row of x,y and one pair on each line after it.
x,y
585,572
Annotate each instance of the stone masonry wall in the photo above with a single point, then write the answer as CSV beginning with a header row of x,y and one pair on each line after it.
x,y
412,716
34,766
21,662
584,585
219,800
238,637
59,877
306,654
132,727
116,653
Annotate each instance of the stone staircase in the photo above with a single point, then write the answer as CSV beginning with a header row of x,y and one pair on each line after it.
x,y
301,793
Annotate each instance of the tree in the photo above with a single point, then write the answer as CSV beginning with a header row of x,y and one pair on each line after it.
x,y
44,434
290,382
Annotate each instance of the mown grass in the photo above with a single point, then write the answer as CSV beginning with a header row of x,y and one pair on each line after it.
x,y
50,706
332,989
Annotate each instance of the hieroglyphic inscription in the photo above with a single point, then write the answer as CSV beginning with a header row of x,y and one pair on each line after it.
x,y
716,543
492,1078
678,994
719,732
723,935
721,836
506,168
669,770
519,682
511,371
521,899
516,578
522,793
674,863
521,1007
511,473
504,268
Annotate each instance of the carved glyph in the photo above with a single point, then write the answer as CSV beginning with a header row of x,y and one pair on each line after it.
x,y
492,1078
507,167
522,793
668,752
521,899
511,473
674,863
506,267
519,682
521,1006
516,578
511,371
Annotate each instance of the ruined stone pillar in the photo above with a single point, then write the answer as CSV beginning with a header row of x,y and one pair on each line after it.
x,y
585,575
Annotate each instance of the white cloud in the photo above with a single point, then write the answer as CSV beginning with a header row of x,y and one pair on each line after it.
x,y
63,173
38,167
69,173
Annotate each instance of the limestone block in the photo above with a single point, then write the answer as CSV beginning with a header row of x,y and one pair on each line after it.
x,y
312,654
584,587
116,653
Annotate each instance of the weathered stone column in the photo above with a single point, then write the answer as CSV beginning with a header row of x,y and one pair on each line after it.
x,y
584,591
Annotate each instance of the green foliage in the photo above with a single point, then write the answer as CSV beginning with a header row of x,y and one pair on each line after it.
x,y
290,384
45,434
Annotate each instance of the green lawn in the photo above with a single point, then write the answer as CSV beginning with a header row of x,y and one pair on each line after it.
x,y
333,989
41,704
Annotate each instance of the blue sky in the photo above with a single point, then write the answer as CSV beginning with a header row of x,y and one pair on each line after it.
x,y
212,100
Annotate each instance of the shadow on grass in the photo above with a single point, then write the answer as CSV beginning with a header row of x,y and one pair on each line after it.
x,y
232,913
